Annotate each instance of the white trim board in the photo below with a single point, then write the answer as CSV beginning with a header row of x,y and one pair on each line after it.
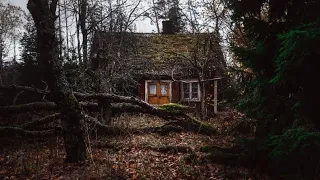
x,y
182,91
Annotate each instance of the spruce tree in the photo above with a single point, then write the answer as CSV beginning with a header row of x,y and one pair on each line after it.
x,y
282,53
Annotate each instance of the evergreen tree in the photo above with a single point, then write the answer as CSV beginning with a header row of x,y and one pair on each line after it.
x,y
29,44
282,53
30,70
170,10
175,15
278,32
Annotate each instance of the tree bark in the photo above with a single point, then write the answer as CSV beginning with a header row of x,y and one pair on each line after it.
x,y
1,53
105,111
84,31
40,122
44,16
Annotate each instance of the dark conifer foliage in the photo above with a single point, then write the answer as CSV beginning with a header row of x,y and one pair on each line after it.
x,y
283,53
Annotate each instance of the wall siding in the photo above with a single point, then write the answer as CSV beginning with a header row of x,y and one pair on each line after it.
x,y
141,90
175,92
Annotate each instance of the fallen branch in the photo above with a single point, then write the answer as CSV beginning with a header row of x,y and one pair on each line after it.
x,y
173,149
36,106
40,122
121,104
16,131
117,99
163,130
24,88
104,129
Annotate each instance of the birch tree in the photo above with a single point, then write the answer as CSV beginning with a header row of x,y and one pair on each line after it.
x,y
10,20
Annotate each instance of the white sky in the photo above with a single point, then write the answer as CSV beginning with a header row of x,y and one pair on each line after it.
x,y
142,26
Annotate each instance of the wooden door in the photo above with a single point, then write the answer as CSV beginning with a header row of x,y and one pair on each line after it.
x,y
158,92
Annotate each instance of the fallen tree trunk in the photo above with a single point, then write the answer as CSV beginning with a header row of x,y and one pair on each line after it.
x,y
24,88
104,129
16,131
36,106
44,16
40,122
115,99
121,104
182,120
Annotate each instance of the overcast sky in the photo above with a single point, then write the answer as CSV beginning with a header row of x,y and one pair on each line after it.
x,y
21,3
142,26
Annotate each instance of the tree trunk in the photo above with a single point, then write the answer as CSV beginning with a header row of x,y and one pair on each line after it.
x,y
104,104
156,16
78,41
44,16
67,27
1,53
105,109
203,101
84,31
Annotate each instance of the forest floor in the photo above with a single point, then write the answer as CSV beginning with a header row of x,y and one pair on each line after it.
x,y
129,156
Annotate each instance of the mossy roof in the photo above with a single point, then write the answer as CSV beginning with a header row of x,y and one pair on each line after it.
x,y
162,52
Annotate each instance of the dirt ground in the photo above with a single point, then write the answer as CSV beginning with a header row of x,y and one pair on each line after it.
x,y
128,156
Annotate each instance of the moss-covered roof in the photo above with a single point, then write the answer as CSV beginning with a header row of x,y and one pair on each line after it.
x,y
160,52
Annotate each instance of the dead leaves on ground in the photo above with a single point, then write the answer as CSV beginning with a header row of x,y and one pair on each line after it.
x,y
124,157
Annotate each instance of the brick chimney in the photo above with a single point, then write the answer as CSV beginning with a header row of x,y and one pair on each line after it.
x,y
167,27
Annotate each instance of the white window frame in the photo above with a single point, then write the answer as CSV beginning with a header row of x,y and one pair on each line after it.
x,y
190,91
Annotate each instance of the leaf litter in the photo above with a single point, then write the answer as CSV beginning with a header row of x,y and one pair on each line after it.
x,y
133,156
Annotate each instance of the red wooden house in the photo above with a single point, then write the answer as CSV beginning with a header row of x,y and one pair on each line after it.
x,y
165,73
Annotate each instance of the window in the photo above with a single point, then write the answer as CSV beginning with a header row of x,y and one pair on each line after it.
x,y
152,89
190,91
164,89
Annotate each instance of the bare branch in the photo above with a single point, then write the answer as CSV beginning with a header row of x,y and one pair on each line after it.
x,y
16,97
28,107
16,131
24,88
40,122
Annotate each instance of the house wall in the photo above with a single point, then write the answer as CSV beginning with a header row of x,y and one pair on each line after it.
x,y
141,90
175,92
209,93
176,96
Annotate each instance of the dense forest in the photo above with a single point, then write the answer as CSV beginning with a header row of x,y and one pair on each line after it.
x,y
219,89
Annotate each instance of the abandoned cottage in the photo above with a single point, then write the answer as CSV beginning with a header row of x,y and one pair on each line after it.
x,y
160,68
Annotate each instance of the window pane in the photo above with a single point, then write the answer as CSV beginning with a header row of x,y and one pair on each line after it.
x,y
194,90
164,89
153,89
186,90
195,95
194,87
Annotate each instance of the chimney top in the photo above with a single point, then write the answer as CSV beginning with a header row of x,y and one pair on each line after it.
x,y
167,27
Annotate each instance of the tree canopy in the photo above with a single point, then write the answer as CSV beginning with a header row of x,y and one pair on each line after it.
x,y
282,53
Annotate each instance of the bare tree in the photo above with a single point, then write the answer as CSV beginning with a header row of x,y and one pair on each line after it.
x,y
58,96
114,51
10,19
44,16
